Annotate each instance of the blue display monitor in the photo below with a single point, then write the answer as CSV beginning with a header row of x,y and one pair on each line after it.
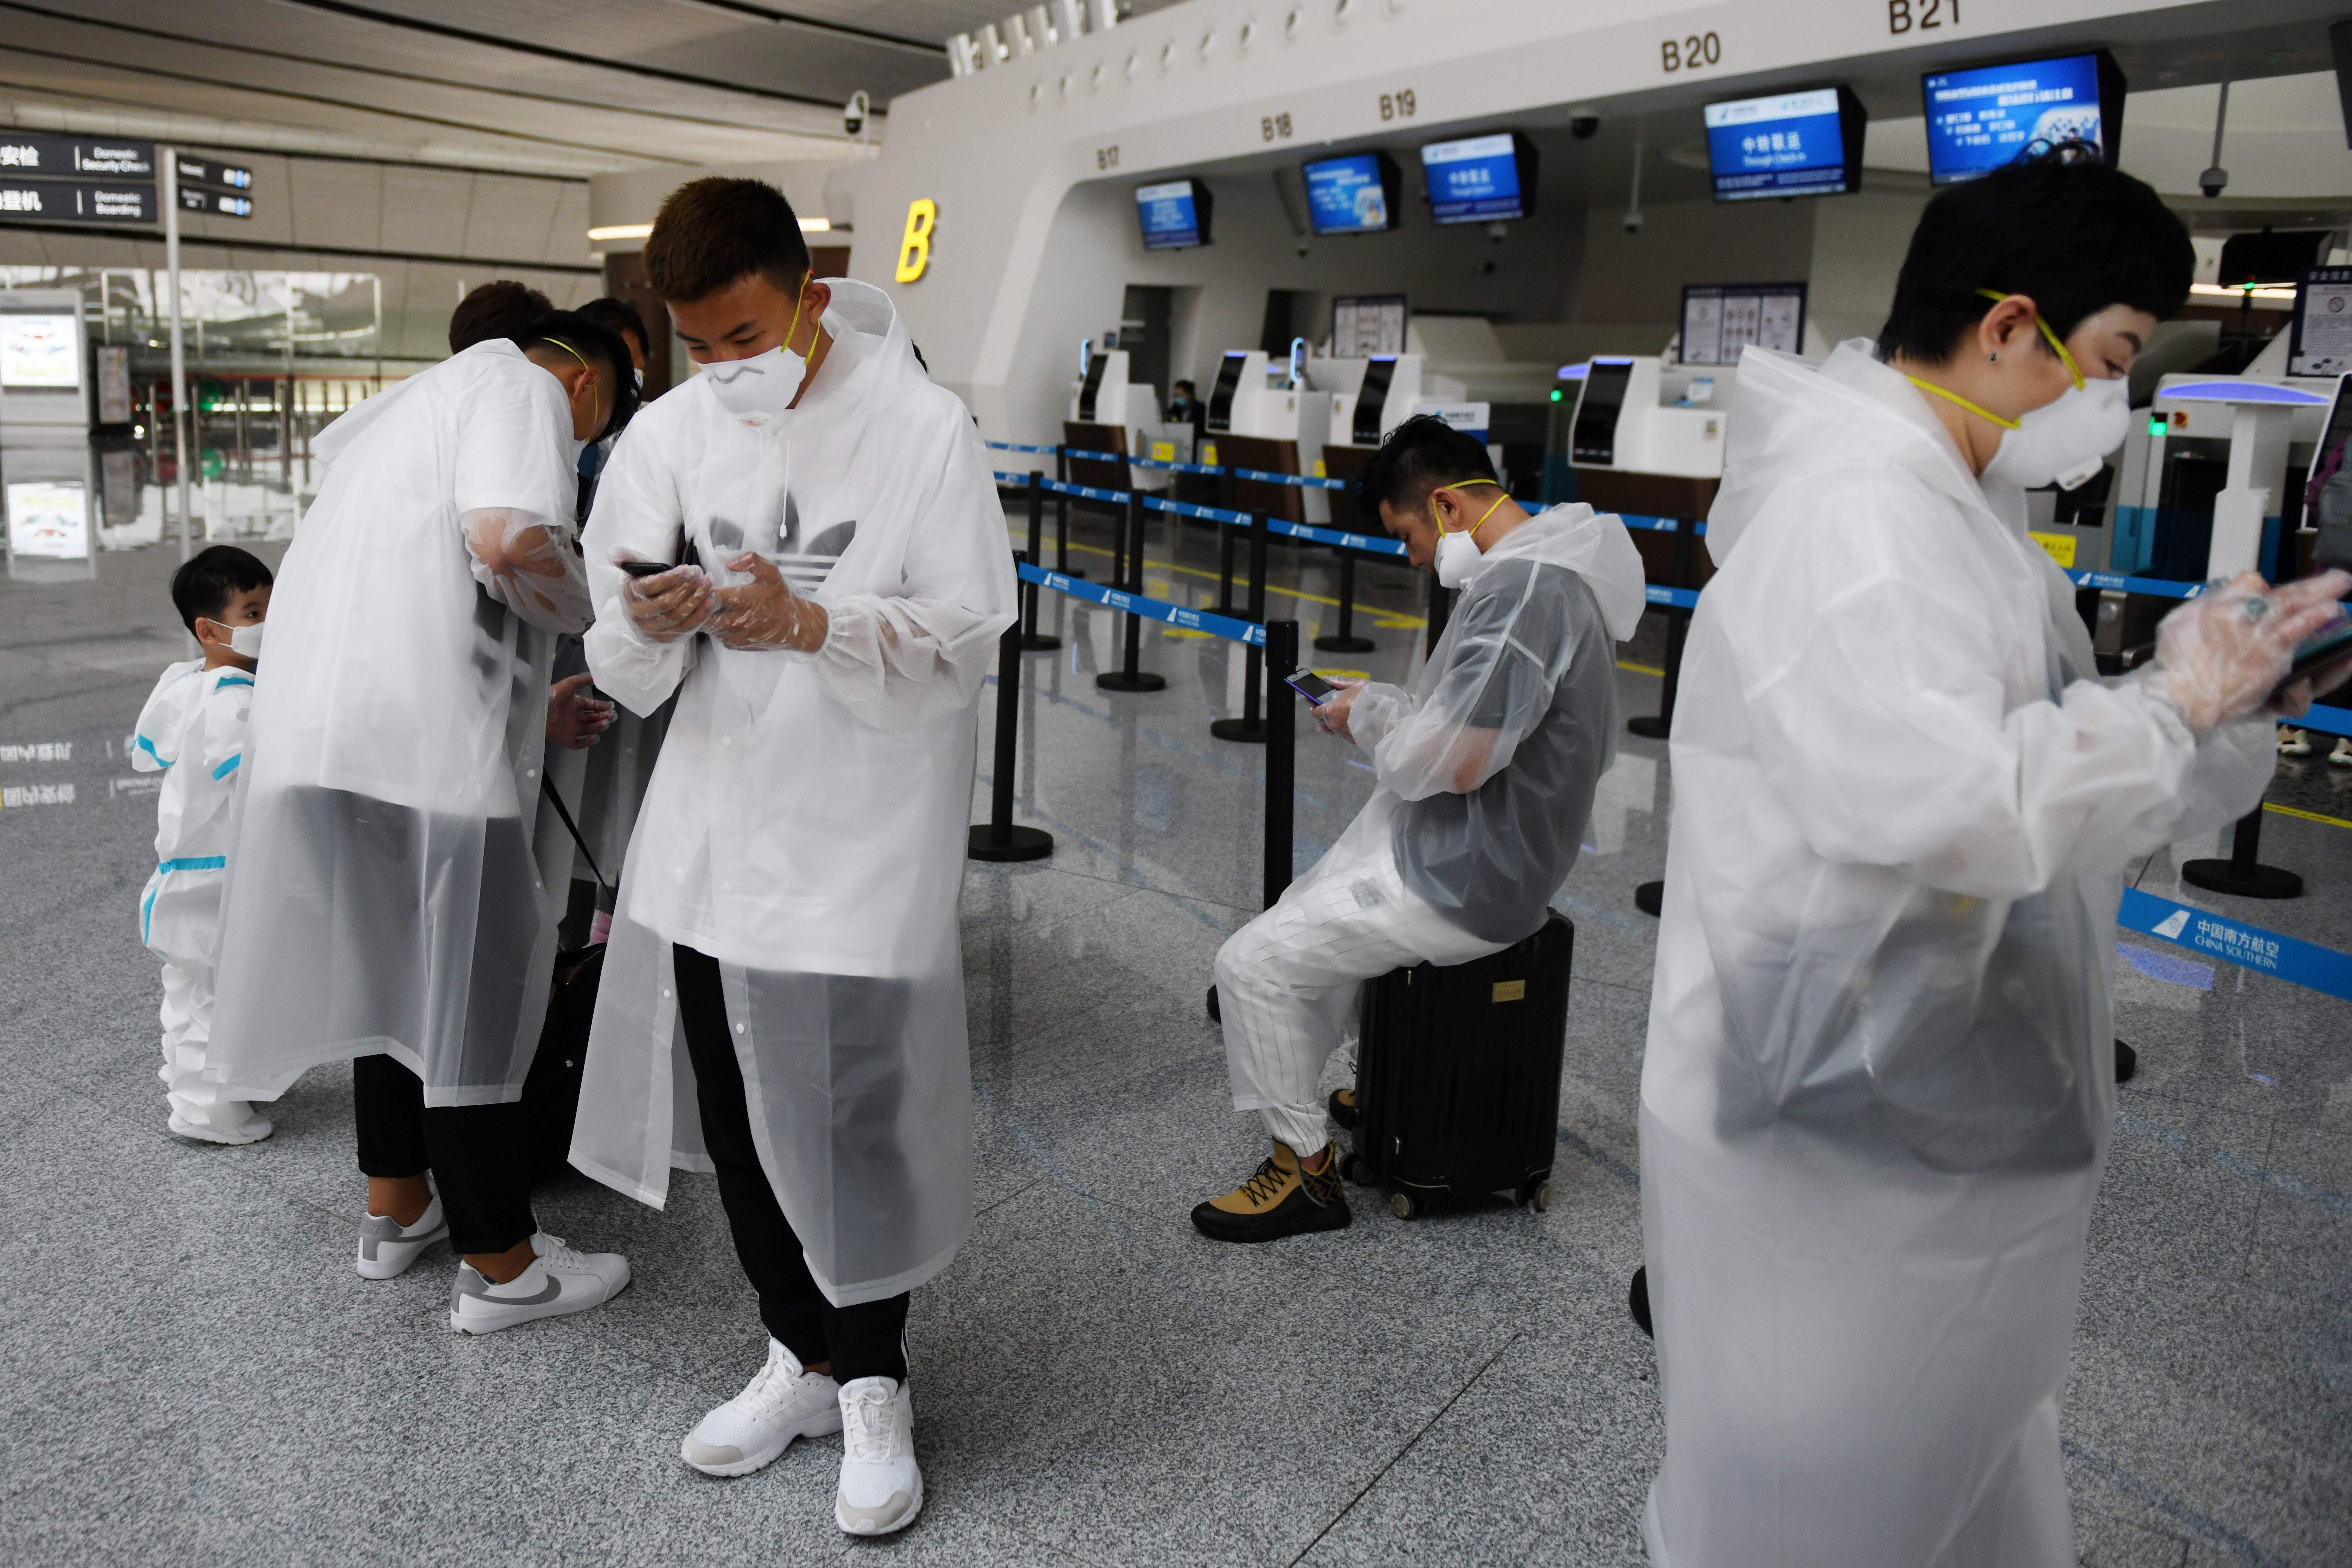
x,y
1480,179
1353,196
1982,119
1175,215
1790,144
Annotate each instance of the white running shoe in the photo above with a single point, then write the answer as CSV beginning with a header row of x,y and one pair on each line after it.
x,y
881,1486
559,1280
2292,742
229,1121
781,1402
388,1246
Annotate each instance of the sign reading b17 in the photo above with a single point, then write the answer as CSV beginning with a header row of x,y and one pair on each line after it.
x,y
208,185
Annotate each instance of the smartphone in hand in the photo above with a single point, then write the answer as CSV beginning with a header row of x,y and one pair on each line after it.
x,y
2320,649
645,567
1312,686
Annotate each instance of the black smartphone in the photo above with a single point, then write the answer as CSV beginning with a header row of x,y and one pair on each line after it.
x,y
2321,648
645,567
1312,686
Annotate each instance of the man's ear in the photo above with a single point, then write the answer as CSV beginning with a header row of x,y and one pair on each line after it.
x,y
816,298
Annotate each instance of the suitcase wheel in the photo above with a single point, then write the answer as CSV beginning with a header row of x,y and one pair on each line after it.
x,y
1539,1196
1352,1167
1400,1205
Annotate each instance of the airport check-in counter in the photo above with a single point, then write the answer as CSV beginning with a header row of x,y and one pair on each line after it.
x,y
1109,412
1258,420
1646,436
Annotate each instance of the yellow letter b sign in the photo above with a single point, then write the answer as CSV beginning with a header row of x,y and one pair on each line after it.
x,y
915,250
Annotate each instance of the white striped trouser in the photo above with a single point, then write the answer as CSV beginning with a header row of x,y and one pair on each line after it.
x,y
1287,982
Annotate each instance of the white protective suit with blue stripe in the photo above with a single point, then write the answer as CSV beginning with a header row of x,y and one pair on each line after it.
x,y
193,731
1880,1083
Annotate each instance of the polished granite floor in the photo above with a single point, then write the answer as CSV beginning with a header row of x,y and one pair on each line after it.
x,y
190,1372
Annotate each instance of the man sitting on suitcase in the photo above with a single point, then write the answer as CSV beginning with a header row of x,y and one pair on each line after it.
x,y
1486,772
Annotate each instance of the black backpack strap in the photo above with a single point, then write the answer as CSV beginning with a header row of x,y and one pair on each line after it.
x,y
547,787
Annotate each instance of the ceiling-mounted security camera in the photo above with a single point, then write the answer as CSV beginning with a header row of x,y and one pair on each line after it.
x,y
1584,127
1498,232
2216,180
854,112
1633,222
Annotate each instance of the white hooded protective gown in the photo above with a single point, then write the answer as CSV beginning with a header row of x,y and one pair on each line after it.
x,y
384,896
1879,1083
808,819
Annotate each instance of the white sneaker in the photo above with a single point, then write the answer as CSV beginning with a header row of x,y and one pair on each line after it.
x,y
781,1402
2292,742
229,1121
881,1486
388,1246
2342,756
559,1280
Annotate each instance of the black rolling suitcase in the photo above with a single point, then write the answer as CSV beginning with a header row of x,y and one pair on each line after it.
x,y
1457,1074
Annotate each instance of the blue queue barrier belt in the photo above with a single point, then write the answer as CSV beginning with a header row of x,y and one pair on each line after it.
x,y
1088,492
1148,609
1680,597
1015,446
1078,456
1174,467
1656,525
2163,587
2298,963
1190,509
1370,543
1304,481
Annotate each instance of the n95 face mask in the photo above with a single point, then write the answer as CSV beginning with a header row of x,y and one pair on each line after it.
x,y
246,640
2065,443
759,389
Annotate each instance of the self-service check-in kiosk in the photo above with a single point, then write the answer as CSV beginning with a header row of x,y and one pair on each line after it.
x,y
1275,417
1103,401
1646,436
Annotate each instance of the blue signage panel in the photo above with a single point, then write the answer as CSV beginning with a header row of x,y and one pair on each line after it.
x,y
1793,144
1171,218
1980,120
1346,195
1474,181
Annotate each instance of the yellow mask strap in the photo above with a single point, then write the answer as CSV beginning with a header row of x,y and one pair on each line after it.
x,y
2073,370
591,369
793,331
1955,397
1472,532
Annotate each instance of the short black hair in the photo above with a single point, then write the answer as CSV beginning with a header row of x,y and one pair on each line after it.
x,y
620,315
593,342
2076,236
497,309
1419,455
208,580
713,231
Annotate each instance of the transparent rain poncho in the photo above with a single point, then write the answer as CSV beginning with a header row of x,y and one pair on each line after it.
x,y
1879,1083
1486,768
385,897
807,822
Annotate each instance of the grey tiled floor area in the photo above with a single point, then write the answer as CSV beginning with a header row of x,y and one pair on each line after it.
x,y
191,1373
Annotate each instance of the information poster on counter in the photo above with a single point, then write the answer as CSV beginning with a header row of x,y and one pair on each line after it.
x,y
2322,340
1719,319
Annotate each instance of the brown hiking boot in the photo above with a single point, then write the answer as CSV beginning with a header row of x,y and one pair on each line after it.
x,y
1280,1198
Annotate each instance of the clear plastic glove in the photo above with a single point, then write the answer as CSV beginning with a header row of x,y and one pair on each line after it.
x,y
574,718
765,612
1332,712
2221,655
668,605
530,567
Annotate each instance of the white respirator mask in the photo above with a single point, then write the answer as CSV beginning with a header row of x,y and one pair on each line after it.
x,y
2065,442
243,641
1457,553
759,389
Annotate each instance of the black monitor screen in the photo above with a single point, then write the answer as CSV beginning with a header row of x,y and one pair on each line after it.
x,y
1372,397
1221,396
1594,437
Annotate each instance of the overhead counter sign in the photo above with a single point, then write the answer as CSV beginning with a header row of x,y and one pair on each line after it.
x,y
75,202
75,179
210,186
75,157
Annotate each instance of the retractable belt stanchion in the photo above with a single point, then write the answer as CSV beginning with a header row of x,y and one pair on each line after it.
x,y
1226,605
1061,514
1126,569
1281,743
1250,728
2243,874
1345,640
1032,641
998,839
1677,628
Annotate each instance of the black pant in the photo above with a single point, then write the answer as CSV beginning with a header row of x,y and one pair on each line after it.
x,y
865,1341
478,1154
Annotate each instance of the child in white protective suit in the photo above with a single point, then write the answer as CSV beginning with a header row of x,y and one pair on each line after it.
x,y
1486,772
192,732
1877,1092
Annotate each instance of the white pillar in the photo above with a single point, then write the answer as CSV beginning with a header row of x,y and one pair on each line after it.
x,y
171,194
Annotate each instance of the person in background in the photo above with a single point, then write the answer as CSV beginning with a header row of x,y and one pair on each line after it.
x,y
1184,407
502,310
790,906
193,730
1486,772
385,905
2327,501
1877,1092
621,319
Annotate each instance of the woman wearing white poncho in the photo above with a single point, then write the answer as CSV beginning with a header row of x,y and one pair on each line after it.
x,y
384,902
783,987
1878,1087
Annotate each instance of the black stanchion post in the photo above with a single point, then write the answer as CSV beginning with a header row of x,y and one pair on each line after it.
x,y
2244,873
1345,640
1061,514
1677,628
1281,742
1226,605
998,839
1030,641
1128,572
1250,728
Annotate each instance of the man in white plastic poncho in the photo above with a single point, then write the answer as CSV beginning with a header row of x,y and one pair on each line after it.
x,y
784,978
1486,772
1878,1088
384,903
